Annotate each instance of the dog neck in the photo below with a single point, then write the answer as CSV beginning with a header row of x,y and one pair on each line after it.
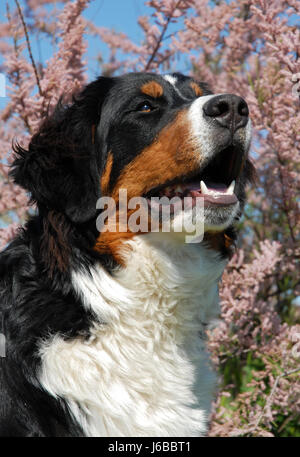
x,y
162,277
143,370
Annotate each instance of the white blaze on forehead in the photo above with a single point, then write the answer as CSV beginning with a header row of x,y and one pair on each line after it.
x,y
173,80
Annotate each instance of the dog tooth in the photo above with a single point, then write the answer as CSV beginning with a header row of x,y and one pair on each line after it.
x,y
204,189
230,189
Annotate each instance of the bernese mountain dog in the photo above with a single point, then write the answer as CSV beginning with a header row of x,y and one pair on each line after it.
x,y
105,331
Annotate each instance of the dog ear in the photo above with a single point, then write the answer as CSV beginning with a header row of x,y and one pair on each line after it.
x,y
60,168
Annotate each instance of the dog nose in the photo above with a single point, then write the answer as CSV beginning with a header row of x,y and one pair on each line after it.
x,y
228,110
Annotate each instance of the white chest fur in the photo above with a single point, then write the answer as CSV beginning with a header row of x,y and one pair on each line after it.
x,y
145,370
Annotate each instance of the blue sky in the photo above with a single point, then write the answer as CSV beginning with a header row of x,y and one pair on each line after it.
x,y
120,15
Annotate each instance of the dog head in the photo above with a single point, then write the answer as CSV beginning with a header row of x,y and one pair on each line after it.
x,y
151,135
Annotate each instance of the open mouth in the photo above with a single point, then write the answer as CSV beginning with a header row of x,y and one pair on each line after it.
x,y
215,183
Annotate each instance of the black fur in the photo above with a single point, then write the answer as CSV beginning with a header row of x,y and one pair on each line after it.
x,y
62,169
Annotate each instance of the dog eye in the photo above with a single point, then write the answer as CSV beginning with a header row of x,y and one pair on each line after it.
x,y
145,107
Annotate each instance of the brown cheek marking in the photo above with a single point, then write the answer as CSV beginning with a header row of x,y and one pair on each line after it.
x,y
220,241
106,175
169,156
198,91
153,89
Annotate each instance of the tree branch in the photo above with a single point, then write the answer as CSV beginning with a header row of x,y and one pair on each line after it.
x,y
159,41
18,77
29,47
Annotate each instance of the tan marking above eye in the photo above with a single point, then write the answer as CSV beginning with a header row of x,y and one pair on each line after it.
x,y
197,89
153,89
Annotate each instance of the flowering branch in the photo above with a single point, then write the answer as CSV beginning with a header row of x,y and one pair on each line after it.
x,y
271,396
29,47
161,37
